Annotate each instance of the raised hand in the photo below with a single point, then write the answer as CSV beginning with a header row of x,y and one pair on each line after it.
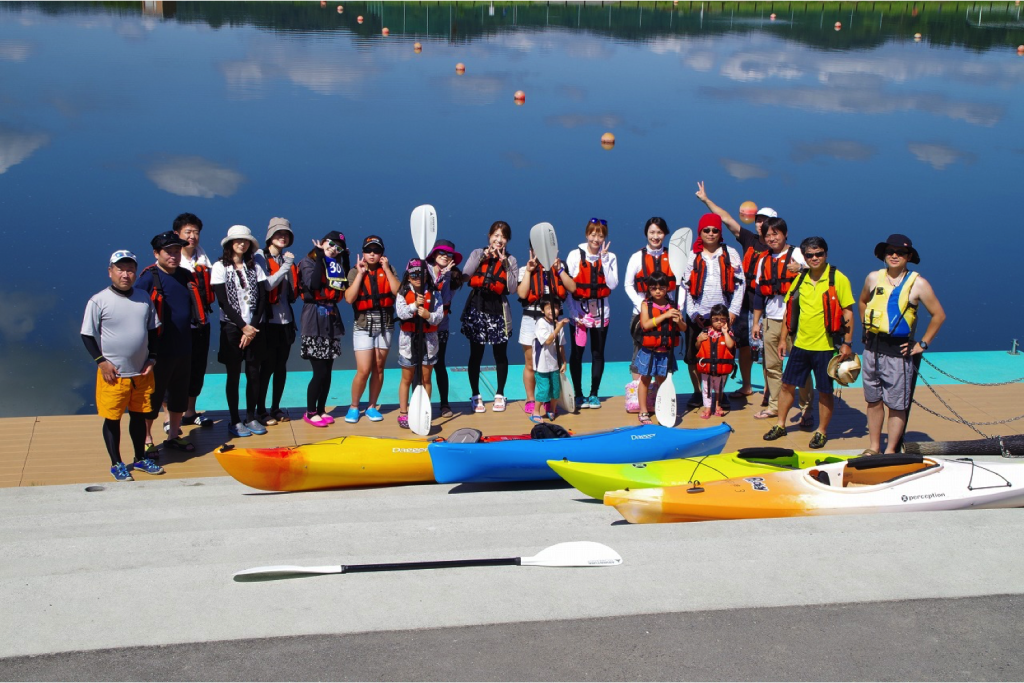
x,y
701,194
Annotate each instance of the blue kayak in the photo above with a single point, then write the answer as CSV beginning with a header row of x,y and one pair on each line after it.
x,y
526,460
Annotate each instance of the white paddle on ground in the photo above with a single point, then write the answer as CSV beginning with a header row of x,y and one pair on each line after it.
x,y
571,554
423,225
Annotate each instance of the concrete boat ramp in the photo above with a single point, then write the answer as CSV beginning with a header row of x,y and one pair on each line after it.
x,y
135,582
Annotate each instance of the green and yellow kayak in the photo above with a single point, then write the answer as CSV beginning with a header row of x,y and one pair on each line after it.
x,y
595,479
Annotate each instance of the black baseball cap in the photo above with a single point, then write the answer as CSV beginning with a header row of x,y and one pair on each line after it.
x,y
167,239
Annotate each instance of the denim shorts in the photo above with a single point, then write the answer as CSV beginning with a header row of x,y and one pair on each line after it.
x,y
802,363
655,364
363,341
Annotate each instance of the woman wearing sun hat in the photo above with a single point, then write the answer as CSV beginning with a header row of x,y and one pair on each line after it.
x,y
282,285
443,261
237,281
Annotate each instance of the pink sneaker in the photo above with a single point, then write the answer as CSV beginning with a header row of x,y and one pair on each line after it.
x,y
315,420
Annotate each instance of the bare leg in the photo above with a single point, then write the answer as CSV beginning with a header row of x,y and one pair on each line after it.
x,y
529,376
364,364
826,404
641,392
745,362
876,416
380,358
403,390
897,425
786,395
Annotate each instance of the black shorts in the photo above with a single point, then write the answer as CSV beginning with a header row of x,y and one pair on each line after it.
x,y
170,385
741,328
802,363
200,356
693,331
231,354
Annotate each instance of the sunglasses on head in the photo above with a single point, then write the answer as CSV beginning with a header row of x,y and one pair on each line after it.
x,y
599,220
373,249
902,253
814,254
711,231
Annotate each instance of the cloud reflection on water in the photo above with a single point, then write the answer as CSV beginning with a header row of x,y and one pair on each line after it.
x,y
16,146
14,50
939,156
194,177
843,150
741,170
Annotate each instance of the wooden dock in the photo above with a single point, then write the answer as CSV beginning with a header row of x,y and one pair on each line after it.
x,y
68,449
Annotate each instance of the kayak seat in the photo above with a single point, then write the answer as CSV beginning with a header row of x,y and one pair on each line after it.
x,y
821,477
880,474
466,435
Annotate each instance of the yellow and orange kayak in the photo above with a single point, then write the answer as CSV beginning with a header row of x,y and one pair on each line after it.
x,y
336,463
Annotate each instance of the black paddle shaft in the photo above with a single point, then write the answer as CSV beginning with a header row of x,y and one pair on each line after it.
x,y
439,564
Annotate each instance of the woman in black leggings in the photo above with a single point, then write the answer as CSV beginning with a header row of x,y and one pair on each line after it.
x,y
323,276
487,320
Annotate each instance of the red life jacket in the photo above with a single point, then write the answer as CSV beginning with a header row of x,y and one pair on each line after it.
x,y
590,281
775,276
751,258
490,275
536,292
699,275
835,324
715,358
649,265
410,325
375,291
201,277
293,283
198,306
666,334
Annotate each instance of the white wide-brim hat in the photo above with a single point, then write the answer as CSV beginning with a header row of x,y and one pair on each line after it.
x,y
240,232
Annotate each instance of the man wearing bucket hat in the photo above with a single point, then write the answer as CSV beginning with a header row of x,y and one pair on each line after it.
x,y
888,308
818,319
282,285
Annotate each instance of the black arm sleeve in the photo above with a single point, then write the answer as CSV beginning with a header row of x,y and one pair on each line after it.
x,y
261,307
154,340
93,347
221,291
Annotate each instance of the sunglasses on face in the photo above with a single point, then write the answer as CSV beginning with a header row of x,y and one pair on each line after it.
x,y
814,254
599,220
333,245
711,231
902,253
373,250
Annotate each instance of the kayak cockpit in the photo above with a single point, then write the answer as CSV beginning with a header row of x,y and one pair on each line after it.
x,y
872,470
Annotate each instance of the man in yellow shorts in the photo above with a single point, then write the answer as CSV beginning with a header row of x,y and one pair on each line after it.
x,y
120,332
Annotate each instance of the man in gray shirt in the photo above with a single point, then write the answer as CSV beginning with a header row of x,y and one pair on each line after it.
x,y
120,332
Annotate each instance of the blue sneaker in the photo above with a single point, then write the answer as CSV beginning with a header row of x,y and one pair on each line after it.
x,y
239,429
594,402
581,403
374,415
121,473
255,427
352,416
148,466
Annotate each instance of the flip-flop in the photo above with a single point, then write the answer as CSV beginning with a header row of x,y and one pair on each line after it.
x,y
537,419
740,394
180,444
151,449
765,415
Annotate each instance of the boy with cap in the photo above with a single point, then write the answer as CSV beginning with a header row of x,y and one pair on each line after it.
x,y
188,227
888,308
168,287
120,332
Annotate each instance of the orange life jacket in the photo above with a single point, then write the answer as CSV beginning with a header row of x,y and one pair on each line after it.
x,y
751,258
834,322
664,335
490,275
201,277
775,276
374,291
649,265
699,275
590,281
536,292
410,325
715,358
198,306
292,280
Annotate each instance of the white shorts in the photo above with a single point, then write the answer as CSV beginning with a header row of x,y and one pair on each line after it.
x,y
526,331
362,341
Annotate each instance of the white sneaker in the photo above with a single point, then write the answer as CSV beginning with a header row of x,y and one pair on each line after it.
x,y
499,403
478,404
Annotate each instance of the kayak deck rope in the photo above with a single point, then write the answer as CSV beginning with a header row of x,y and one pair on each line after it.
x,y
970,482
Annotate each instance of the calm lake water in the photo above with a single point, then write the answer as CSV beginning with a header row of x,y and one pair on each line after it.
x,y
114,118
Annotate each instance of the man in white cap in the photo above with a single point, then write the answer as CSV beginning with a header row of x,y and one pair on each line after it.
x,y
888,308
120,332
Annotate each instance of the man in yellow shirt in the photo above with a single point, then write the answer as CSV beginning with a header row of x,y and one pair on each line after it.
x,y
819,316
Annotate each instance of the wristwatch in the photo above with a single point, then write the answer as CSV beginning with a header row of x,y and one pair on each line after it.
x,y
923,344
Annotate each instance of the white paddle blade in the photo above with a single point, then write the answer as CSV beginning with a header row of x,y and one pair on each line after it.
x,y
419,411
567,397
423,223
679,250
665,402
544,243
283,571
574,554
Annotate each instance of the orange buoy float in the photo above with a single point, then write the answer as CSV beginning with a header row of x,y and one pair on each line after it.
x,y
359,19
771,16
839,25
1020,49
520,97
417,48
460,68
917,37
340,9
748,208
607,140
385,32
323,3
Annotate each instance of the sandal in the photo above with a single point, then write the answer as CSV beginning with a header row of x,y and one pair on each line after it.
x,y
765,415
868,451
807,421
740,394
720,413
645,418
537,419
705,413
180,444
281,416
446,411
499,404
151,449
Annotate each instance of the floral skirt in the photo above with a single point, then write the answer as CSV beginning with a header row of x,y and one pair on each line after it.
x,y
320,348
484,328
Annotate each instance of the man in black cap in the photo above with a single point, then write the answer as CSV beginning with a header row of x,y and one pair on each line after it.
x,y
888,308
168,288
